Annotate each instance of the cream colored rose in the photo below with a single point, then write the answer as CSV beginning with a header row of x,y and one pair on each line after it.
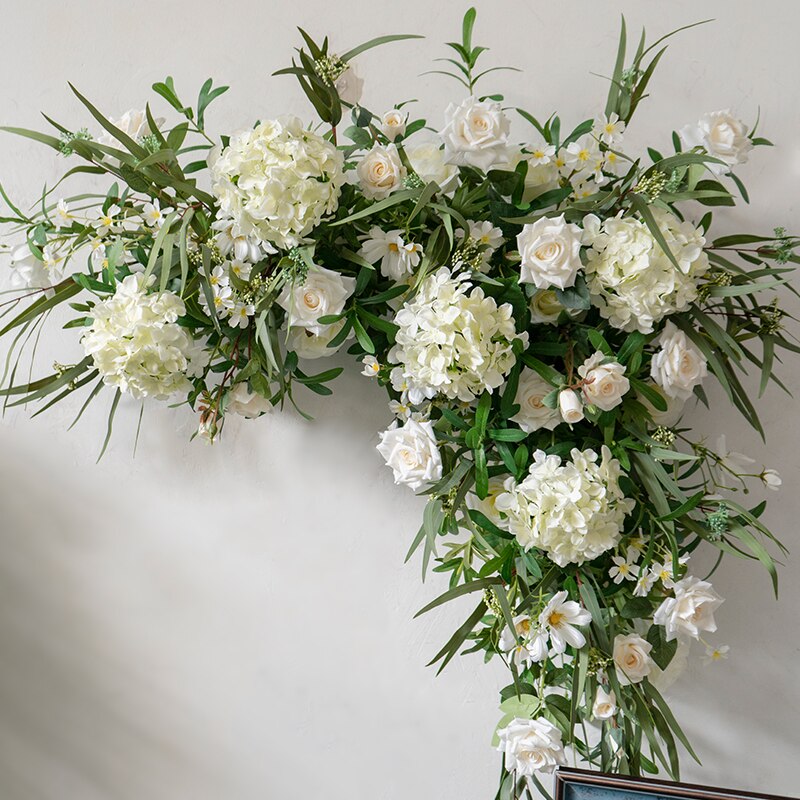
x,y
632,658
380,172
310,344
533,414
545,307
412,453
550,253
604,381
427,160
678,366
691,611
570,406
246,403
722,136
674,410
476,134
605,704
324,292
393,123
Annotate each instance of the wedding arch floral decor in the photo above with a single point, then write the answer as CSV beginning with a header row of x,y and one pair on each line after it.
x,y
540,308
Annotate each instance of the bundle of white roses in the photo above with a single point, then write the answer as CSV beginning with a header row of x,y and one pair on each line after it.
x,y
540,308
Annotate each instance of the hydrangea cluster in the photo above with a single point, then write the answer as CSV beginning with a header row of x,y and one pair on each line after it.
x,y
277,181
573,511
633,282
136,344
452,341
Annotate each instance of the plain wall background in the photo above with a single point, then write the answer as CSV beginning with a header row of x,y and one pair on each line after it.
x,y
236,622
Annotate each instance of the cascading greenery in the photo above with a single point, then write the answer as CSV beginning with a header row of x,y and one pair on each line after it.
x,y
154,233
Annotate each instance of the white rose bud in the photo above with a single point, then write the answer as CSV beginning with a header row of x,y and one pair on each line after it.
x,y
691,611
393,123
570,406
245,403
531,746
772,479
605,704
678,366
550,252
324,292
545,307
632,658
412,453
380,172
722,136
604,384
475,133
533,414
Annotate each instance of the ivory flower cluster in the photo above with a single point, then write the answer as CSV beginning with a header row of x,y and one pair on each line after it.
x,y
574,511
633,281
452,340
277,181
136,344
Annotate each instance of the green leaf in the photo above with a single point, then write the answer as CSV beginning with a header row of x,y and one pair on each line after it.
x,y
377,42
459,591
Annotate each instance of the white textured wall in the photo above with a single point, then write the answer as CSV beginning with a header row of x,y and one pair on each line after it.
x,y
236,622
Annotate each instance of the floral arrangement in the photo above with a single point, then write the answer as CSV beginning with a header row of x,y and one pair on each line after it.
x,y
539,314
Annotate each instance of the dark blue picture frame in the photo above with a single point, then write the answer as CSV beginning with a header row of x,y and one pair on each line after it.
x,y
580,784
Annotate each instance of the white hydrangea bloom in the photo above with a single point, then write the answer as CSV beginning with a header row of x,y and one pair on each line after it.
x,y
573,511
136,344
452,341
277,181
632,280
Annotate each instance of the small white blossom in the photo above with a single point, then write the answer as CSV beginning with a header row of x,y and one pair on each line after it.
x,y
393,123
371,366
772,479
398,258
605,704
609,129
715,654
623,570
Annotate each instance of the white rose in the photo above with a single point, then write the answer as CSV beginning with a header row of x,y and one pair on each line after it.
x,y
605,704
570,406
427,160
531,746
550,252
324,292
314,344
675,406
487,506
691,611
604,381
134,123
678,366
349,85
475,133
393,123
533,414
412,453
245,403
380,172
722,136
632,658
545,307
